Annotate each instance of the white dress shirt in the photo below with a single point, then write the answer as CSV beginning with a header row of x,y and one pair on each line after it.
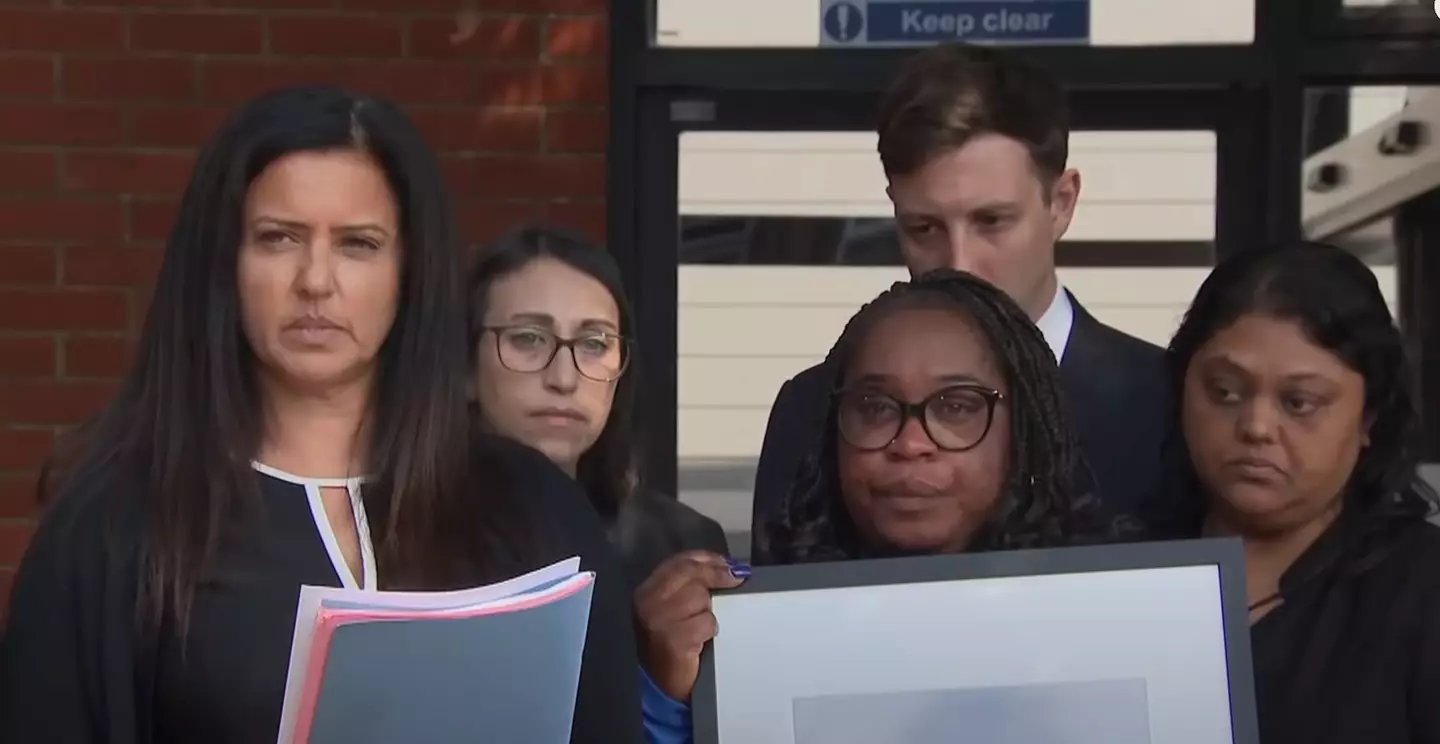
x,y
1056,322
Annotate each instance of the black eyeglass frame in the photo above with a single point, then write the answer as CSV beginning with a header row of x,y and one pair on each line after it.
x,y
561,343
916,410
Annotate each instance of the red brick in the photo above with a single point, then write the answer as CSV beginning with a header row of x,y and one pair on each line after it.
x,y
510,6
336,36
63,310
61,31
52,402
108,266
48,124
405,6
460,175
175,126
22,449
132,4
533,177
7,583
14,538
129,78
574,84
276,4
230,81
511,86
26,264
484,220
577,37
27,76
152,220
18,499
60,219
580,130
585,216
487,37
27,356
553,6
97,356
196,32
127,172
27,170
412,82
497,130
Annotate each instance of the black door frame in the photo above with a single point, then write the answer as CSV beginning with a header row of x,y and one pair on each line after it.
x,y
1235,115
1299,45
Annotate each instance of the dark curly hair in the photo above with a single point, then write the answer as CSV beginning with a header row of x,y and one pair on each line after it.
x,y
1334,296
1040,505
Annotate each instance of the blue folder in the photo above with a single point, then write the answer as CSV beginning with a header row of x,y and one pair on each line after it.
x,y
505,677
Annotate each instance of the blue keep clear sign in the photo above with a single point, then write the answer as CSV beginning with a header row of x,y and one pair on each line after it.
x,y
916,23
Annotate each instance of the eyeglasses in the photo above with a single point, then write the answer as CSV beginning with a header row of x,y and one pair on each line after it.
x,y
597,355
956,418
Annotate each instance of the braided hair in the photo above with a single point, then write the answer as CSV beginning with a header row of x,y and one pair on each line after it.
x,y
1039,505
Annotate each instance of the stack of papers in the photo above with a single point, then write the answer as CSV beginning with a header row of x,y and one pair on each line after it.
x,y
494,663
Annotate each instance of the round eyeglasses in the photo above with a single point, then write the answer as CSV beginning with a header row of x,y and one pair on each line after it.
x,y
598,355
956,418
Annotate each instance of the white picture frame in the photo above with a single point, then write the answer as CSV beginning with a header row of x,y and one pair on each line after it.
x,y
1145,643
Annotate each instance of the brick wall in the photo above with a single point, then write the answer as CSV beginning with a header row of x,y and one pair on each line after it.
x,y
102,103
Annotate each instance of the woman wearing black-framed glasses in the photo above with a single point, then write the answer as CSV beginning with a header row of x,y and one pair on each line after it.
x,y
955,417
550,343
945,434
598,353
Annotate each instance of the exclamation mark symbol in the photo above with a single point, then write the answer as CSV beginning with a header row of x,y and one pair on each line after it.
x,y
844,10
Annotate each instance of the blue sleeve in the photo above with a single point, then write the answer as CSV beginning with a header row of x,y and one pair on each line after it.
x,y
667,721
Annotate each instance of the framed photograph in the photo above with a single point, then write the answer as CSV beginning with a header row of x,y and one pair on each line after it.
x,y
1144,643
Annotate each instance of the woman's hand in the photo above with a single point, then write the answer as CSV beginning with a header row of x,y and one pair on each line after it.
x,y
673,607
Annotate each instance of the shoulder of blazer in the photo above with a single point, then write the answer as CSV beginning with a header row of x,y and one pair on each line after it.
x,y
1112,362
650,513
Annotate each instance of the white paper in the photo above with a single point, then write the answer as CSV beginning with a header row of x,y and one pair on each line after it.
x,y
312,596
1160,628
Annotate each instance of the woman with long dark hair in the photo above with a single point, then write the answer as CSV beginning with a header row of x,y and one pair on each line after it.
x,y
1302,430
552,339
295,415
945,434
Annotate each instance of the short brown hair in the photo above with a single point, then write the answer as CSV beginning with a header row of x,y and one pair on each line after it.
x,y
951,93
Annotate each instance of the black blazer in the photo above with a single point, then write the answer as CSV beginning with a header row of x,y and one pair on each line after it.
x,y
1120,403
650,527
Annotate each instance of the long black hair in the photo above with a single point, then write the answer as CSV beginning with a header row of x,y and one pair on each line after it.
x,y
179,435
609,470
1045,501
1336,299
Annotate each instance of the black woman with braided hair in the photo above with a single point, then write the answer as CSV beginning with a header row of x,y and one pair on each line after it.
x,y
945,433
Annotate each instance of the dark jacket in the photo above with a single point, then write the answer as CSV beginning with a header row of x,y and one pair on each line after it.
x,y
1120,403
651,527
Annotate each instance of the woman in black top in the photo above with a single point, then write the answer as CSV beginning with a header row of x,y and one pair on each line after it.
x,y
945,433
533,293
1302,431
295,415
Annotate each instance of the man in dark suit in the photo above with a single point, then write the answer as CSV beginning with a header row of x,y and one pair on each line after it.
x,y
974,144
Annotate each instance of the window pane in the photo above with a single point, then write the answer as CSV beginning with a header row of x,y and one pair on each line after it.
x,y
786,234
796,23
1136,185
1358,213
1369,105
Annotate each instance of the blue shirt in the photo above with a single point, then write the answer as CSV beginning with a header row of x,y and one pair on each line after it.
x,y
667,721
